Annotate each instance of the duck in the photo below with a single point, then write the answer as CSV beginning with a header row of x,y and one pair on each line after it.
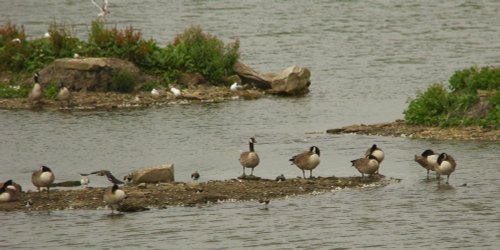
x,y
307,160
113,196
195,176
43,178
235,87
428,160
376,152
445,166
366,165
36,94
103,10
175,91
8,192
64,95
249,159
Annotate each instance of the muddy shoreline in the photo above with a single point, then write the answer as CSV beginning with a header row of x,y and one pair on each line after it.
x,y
158,196
399,128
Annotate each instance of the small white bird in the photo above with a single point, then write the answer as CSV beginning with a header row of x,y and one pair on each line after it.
x,y
104,9
85,181
76,56
175,91
46,35
16,40
155,93
235,87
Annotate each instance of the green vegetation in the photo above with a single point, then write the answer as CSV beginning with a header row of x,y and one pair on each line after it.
x,y
461,106
193,51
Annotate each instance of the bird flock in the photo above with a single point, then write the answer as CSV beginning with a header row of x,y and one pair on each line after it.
x,y
369,164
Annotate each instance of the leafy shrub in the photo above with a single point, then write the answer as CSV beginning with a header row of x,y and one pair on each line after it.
x,y
196,51
486,78
7,91
123,82
429,107
493,117
50,91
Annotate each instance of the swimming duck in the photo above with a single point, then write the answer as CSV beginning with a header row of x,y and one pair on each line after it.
x,y
249,159
445,166
43,178
113,196
428,160
366,165
36,94
307,160
8,192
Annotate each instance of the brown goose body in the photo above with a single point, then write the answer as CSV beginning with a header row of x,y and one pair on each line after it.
x,y
113,196
8,191
307,160
366,165
446,166
42,178
249,159
428,160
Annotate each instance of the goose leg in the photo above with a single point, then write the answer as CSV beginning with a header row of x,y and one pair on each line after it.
x,y
304,173
243,171
251,174
427,174
447,179
310,174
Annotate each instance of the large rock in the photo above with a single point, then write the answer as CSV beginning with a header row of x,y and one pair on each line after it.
x,y
86,74
291,81
163,173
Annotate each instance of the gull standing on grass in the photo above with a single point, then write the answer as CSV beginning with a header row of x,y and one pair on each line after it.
x,y
104,9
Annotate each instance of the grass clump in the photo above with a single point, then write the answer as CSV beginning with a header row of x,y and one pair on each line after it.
x,y
123,82
461,106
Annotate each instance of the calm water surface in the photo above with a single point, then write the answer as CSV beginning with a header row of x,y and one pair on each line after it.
x,y
367,58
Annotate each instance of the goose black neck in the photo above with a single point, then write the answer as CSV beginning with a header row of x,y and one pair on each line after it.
x,y
251,146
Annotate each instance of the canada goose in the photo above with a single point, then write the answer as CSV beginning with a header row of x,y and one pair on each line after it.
x,y
35,96
366,165
8,192
377,152
195,176
103,10
12,185
445,166
249,159
307,160
264,203
64,95
113,196
427,160
235,87
43,178
175,91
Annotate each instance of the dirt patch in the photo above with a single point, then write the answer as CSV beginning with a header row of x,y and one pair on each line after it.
x,y
401,129
190,194
112,100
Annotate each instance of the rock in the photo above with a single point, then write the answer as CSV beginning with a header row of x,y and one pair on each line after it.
x,y
291,81
86,74
163,173
131,208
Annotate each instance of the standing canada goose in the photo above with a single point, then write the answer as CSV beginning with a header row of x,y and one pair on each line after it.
x,y
445,166
35,96
8,192
307,160
366,165
43,178
249,159
377,152
113,196
427,160
64,95
195,176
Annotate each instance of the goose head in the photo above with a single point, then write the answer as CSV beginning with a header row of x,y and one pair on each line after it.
x,y
314,150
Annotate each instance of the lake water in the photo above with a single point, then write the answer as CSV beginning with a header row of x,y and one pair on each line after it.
x,y
366,57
